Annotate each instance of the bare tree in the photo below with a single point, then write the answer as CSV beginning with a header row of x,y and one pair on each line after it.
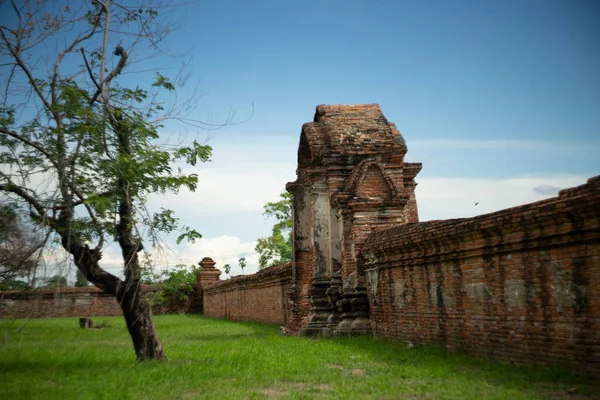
x,y
80,150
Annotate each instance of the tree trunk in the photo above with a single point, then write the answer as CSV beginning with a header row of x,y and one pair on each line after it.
x,y
138,316
136,310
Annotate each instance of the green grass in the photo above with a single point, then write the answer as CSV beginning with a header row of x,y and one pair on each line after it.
x,y
215,359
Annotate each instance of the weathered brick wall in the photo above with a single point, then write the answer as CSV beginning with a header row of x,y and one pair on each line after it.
x,y
520,284
66,302
75,302
351,179
260,297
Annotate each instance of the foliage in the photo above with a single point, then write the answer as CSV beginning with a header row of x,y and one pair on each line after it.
x,y
13,284
219,359
19,248
277,248
56,282
69,121
227,269
242,262
175,285
91,136
80,280
178,284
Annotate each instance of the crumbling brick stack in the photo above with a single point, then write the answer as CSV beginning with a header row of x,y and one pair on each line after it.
x,y
351,179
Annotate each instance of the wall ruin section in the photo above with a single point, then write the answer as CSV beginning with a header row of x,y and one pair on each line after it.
x,y
521,284
260,297
351,179
65,302
78,302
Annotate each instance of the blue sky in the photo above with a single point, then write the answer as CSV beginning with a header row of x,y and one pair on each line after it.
x,y
500,101
484,70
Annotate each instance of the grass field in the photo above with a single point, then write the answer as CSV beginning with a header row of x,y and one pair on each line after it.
x,y
215,359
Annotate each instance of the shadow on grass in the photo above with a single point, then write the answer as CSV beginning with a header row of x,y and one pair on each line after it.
x,y
439,363
43,366
227,337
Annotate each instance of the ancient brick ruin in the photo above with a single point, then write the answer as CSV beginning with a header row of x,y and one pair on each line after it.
x,y
78,302
351,180
521,284
261,297
64,302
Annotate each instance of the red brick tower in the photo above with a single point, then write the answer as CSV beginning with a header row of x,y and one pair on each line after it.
x,y
351,180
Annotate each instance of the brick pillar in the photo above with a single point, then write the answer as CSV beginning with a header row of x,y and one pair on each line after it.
x,y
351,180
208,274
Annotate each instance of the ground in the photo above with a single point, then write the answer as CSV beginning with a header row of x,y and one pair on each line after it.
x,y
216,359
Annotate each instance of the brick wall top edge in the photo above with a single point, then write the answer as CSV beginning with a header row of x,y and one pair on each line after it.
x,y
356,129
45,293
431,230
345,108
90,289
67,290
266,274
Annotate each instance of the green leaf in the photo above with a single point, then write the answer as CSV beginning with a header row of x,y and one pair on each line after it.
x,y
163,81
188,234
277,248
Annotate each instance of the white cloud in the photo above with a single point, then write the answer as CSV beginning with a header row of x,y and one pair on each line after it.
x,y
57,261
498,144
222,192
223,250
437,198
547,190
243,176
443,198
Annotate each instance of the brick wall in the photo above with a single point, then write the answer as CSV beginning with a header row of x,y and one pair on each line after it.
x,y
75,302
521,284
260,297
66,302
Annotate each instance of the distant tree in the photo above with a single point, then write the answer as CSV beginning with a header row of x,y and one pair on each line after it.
x,y
243,263
177,284
13,284
174,285
227,269
80,280
19,248
277,248
56,282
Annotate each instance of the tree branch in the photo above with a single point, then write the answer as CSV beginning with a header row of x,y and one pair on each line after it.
x,y
20,191
119,51
28,142
104,43
55,75
89,69
16,53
